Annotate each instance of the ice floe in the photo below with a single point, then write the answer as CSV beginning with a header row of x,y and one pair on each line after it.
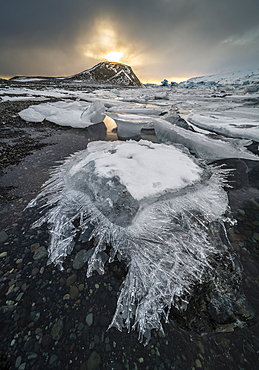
x,y
69,113
155,206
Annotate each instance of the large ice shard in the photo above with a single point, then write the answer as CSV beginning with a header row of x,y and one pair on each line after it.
x,y
201,145
156,207
241,122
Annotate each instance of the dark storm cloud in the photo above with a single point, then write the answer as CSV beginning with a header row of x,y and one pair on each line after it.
x,y
171,37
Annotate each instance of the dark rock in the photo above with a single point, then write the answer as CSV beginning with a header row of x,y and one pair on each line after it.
x,y
34,246
80,326
89,319
73,292
57,330
40,253
35,271
26,302
72,336
52,359
96,339
3,236
79,262
28,346
46,340
35,316
94,361
71,279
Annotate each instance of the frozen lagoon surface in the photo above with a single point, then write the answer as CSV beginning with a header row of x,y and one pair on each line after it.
x,y
156,206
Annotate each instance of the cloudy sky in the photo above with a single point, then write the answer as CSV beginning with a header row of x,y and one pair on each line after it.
x,y
173,39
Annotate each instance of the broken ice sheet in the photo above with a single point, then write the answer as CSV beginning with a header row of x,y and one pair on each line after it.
x,y
238,122
154,205
201,145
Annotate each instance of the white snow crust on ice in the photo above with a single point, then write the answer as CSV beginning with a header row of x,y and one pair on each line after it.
x,y
159,231
143,167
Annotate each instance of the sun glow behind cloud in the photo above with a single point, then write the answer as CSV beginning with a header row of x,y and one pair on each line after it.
x,y
108,43
114,56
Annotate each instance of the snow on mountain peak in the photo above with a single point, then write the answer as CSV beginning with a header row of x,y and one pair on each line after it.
x,y
108,73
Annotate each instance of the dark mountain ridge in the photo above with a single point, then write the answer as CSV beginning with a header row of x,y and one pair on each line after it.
x,y
104,73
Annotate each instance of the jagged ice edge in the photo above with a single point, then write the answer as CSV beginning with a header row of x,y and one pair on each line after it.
x,y
159,272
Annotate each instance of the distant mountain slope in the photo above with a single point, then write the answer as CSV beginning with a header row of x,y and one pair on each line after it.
x,y
231,78
104,73
108,73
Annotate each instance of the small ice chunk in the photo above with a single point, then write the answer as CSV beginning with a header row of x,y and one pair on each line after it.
x,y
31,115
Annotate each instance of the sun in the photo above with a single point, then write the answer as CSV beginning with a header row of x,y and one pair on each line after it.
x,y
114,56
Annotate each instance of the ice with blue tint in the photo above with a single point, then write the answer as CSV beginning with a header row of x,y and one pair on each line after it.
x,y
155,206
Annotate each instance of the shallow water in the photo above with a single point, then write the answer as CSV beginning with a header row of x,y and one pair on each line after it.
x,y
179,348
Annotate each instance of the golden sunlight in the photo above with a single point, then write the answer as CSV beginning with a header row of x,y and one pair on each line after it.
x,y
114,56
105,44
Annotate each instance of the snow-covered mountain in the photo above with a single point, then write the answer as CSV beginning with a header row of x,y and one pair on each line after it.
x,y
231,78
108,73
104,73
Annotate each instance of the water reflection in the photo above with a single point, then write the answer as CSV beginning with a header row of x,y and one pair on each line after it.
x,y
111,128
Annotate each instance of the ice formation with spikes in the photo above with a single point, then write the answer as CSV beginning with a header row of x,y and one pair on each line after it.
x,y
154,205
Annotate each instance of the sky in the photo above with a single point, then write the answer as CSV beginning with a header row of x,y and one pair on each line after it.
x,y
172,39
